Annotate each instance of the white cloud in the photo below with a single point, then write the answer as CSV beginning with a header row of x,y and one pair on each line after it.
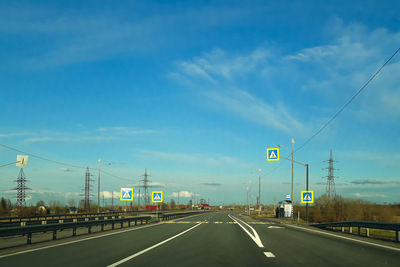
x,y
184,194
109,194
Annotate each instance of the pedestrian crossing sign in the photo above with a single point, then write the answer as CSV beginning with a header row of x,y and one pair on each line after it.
x,y
272,154
307,196
126,194
157,196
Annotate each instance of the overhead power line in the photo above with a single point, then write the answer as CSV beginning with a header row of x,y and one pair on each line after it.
x,y
61,163
348,102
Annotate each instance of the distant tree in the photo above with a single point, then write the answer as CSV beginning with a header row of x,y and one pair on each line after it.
x,y
40,203
71,203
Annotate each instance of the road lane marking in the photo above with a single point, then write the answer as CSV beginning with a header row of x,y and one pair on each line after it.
x,y
89,238
76,241
150,248
275,227
344,237
255,236
269,254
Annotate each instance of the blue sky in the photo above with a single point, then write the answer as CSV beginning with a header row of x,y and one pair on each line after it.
x,y
196,91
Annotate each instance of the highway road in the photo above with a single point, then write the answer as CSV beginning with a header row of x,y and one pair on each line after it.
x,y
210,239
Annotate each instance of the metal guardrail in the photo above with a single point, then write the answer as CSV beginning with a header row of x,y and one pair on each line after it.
x,y
71,217
362,224
31,229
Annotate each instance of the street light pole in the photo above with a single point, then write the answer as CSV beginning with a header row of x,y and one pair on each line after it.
x,y
292,141
307,190
259,192
98,189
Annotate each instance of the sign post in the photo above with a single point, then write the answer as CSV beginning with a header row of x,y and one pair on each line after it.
x,y
157,197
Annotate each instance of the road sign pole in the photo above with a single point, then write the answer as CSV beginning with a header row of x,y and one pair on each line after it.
x,y
307,190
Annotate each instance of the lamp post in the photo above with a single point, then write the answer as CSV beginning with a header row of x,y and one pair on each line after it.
x,y
292,152
259,192
305,165
292,141
98,186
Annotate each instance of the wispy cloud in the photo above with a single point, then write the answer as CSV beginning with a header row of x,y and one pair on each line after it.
x,y
211,184
65,170
85,135
373,182
369,195
211,160
218,77
14,134
121,130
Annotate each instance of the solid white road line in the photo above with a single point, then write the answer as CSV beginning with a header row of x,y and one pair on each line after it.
x,y
150,248
76,241
344,237
269,254
255,236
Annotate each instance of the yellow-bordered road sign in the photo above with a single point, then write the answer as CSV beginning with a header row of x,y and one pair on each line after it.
x,y
272,154
126,194
157,196
307,196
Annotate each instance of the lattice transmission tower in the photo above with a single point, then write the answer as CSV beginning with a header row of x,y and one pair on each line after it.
x,y
87,194
21,187
330,182
145,186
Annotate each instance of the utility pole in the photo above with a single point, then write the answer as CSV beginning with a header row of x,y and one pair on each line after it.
x,y
112,199
259,193
98,189
139,200
292,141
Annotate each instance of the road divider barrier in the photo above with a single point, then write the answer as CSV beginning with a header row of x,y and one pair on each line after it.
x,y
28,230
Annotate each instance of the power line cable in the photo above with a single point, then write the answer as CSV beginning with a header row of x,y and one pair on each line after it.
x,y
348,102
61,163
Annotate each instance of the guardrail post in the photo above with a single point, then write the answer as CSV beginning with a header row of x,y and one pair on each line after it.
x,y
55,235
359,230
367,232
135,222
342,229
129,223
29,239
102,227
397,236
122,224
74,231
89,229
350,229
141,221
112,226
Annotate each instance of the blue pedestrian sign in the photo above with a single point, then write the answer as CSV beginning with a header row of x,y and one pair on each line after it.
x,y
272,154
126,194
157,196
307,196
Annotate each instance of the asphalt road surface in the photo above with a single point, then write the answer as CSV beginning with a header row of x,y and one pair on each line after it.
x,y
210,239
